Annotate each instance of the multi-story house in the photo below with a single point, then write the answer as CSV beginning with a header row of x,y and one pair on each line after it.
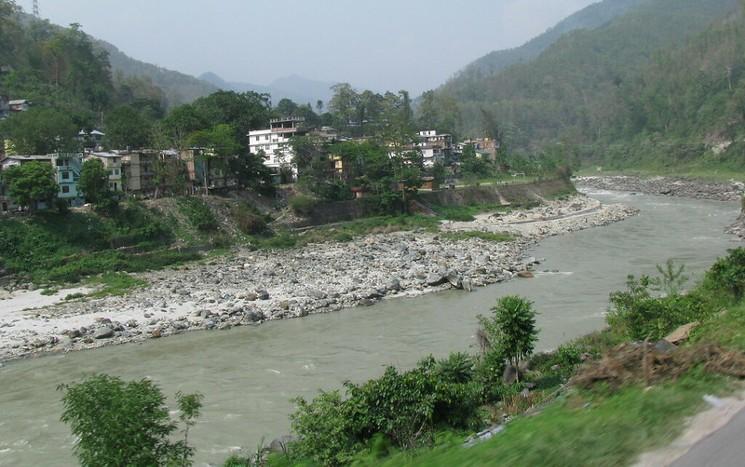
x,y
112,162
435,147
67,168
274,142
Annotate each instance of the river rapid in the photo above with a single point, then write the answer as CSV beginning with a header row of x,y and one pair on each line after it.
x,y
249,375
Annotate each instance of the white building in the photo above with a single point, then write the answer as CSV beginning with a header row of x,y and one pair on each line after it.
x,y
435,147
275,141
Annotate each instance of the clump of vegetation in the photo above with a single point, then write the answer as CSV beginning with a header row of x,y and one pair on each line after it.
x,y
488,236
249,220
198,214
639,315
51,247
302,205
404,408
127,423
511,329
115,283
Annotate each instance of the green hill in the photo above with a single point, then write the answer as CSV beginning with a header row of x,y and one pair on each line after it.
x,y
585,88
591,17
178,88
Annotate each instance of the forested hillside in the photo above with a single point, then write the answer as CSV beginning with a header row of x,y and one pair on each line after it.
x,y
606,84
591,17
178,88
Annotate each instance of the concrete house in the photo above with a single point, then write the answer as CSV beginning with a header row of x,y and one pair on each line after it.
x,y
435,147
67,168
112,162
274,142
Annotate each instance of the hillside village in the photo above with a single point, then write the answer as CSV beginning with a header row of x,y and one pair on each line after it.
x,y
153,173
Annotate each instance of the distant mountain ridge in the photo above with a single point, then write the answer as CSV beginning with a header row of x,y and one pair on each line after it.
x,y
590,17
297,88
179,88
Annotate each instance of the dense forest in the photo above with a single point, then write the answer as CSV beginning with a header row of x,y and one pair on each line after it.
x,y
665,73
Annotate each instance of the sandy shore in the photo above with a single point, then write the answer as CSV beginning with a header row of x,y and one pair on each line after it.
x,y
248,288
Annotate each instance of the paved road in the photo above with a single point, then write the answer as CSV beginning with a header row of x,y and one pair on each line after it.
x,y
723,448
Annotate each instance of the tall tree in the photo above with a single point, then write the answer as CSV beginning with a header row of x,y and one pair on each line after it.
x,y
31,183
94,182
40,131
127,128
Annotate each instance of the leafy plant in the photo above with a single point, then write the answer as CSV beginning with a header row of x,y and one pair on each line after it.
x,y
672,278
511,328
126,423
199,214
728,274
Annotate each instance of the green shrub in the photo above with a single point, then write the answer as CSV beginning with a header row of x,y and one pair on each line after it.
x,y
404,408
511,328
248,220
635,313
325,429
488,374
198,214
728,274
302,205
126,423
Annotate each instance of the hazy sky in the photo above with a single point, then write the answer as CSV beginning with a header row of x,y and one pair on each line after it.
x,y
376,44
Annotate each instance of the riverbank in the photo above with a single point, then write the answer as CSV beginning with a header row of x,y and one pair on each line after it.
x,y
666,186
248,288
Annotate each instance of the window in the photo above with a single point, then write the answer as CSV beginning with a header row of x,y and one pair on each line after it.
x,y
60,162
65,189
65,175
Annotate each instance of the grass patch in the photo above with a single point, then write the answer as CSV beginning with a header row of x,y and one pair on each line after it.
x,y
466,213
115,283
488,236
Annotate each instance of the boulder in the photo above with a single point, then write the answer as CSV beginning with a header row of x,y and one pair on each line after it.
x,y
467,285
435,279
262,294
455,279
682,333
104,332
317,294
281,444
525,275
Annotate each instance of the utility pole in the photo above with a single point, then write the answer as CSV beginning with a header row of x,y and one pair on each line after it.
x,y
36,8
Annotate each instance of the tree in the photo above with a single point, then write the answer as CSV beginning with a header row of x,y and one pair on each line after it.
x,y
31,183
94,182
127,128
40,131
126,423
511,329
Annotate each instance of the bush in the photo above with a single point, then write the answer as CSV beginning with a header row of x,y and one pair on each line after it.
x,y
488,374
728,274
404,408
511,328
248,220
302,205
119,423
198,214
638,315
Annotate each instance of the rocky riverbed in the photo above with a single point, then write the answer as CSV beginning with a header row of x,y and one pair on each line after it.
x,y
248,288
667,186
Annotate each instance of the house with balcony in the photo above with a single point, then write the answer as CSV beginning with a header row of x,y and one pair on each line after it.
x,y
274,142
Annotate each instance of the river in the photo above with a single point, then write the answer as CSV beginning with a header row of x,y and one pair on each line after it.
x,y
249,375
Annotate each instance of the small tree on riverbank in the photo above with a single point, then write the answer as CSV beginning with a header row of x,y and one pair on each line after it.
x,y
127,423
511,329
